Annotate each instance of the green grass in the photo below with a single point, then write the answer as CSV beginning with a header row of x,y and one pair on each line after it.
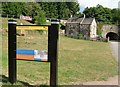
x,y
4,23
85,61
78,60
19,21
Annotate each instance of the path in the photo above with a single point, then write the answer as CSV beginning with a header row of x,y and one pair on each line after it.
x,y
115,46
110,81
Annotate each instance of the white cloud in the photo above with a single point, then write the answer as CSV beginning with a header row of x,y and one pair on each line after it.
x,y
105,3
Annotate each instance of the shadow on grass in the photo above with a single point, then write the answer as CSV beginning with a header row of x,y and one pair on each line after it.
x,y
6,83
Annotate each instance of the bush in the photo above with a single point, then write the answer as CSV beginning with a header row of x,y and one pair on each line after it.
x,y
40,18
99,28
80,36
101,39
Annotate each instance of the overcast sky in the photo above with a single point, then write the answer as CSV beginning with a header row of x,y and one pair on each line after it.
x,y
106,3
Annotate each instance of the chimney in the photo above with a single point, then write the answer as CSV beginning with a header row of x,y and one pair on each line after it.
x,y
82,19
84,16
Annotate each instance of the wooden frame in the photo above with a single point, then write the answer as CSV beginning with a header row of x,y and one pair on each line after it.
x,y
52,50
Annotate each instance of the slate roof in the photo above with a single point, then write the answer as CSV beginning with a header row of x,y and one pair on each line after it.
x,y
87,21
75,19
78,20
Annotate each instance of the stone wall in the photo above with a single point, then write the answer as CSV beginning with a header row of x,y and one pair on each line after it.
x,y
110,28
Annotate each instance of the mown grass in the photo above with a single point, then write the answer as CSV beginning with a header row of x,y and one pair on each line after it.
x,y
4,22
78,61
85,61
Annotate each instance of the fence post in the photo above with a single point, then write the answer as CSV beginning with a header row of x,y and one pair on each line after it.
x,y
52,51
12,50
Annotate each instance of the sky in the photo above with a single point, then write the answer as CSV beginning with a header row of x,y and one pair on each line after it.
x,y
90,3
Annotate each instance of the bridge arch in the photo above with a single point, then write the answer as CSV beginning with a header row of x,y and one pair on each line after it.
x,y
111,31
112,36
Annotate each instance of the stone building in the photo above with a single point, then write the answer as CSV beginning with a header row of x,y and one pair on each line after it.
x,y
83,27
111,31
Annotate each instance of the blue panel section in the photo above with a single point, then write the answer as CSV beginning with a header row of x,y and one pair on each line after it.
x,y
26,52
37,59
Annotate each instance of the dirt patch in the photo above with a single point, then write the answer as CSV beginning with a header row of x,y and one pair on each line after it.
x,y
110,81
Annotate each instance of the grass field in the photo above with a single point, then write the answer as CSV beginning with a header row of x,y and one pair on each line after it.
x,y
78,61
4,22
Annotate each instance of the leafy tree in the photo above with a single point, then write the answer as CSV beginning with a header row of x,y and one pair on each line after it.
x,y
116,16
40,18
45,7
60,10
50,9
73,7
101,13
12,8
34,10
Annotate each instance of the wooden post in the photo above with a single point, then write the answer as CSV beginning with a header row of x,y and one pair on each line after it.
x,y
52,51
12,50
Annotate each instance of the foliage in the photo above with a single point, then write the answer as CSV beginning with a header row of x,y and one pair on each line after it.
x,y
11,8
116,16
80,36
40,18
63,10
74,8
99,28
59,10
102,14
33,9
50,9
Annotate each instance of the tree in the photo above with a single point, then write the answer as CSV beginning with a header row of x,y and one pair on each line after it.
x,y
116,16
50,9
102,15
31,9
63,10
12,8
73,7
60,10
45,7
40,18
34,10
99,12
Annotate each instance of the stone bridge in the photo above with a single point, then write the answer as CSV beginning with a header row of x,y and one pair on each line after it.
x,y
111,31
